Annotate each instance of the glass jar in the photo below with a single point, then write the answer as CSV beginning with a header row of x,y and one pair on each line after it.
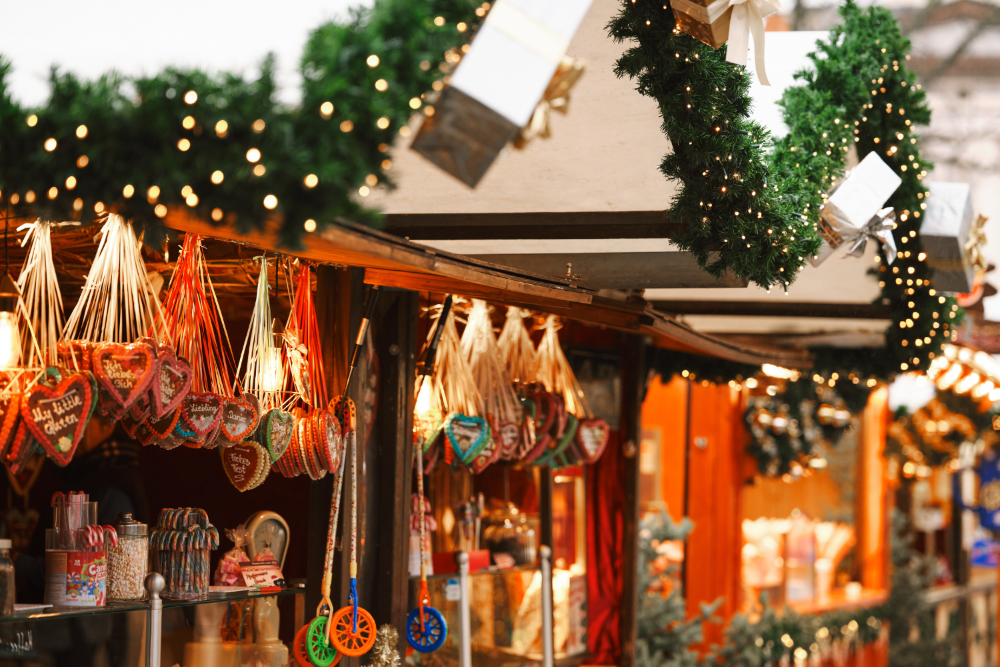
x,y
128,562
6,579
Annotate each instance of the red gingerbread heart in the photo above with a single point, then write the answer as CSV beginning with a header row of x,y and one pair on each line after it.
x,y
239,419
9,413
201,413
57,416
591,438
171,383
124,371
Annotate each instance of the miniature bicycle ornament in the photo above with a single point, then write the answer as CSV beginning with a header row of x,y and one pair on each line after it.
x,y
426,629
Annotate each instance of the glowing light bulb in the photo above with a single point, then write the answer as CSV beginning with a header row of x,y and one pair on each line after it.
x,y
423,405
271,372
10,339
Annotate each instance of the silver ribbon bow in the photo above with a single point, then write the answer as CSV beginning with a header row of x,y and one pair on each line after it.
x,y
748,17
879,228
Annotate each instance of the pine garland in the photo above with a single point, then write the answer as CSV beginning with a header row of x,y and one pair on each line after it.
x,y
737,217
141,152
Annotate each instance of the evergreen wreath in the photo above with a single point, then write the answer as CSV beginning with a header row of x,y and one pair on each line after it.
x,y
220,145
861,92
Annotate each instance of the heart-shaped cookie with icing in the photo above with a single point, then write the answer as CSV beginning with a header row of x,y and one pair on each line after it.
x,y
277,427
239,419
9,412
592,437
246,464
201,414
466,435
163,426
330,439
552,457
509,436
124,371
488,455
171,383
57,415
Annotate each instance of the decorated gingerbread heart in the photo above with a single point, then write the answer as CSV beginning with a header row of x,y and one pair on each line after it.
x,y
592,437
330,439
57,415
171,383
239,419
509,436
246,464
163,426
466,435
201,414
9,412
277,426
559,446
488,455
124,371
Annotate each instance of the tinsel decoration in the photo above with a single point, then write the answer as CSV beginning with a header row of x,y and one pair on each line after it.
x,y
39,286
118,304
385,652
553,371
261,359
452,385
479,345
516,349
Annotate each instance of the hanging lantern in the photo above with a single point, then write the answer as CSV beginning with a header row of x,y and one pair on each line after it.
x,y
10,339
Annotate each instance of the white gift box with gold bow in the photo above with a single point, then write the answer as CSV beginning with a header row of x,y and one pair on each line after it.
x,y
497,85
854,213
952,244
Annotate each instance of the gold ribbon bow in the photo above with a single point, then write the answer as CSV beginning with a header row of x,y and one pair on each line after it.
x,y
555,98
974,244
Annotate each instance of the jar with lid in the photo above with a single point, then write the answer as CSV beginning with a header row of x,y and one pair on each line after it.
x,y
6,579
128,562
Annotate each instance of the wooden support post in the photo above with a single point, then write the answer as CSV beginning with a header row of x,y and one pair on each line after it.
x,y
395,335
633,383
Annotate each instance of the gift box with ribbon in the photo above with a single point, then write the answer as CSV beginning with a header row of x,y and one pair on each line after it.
x,y
951,238
496,87
854,213
716,22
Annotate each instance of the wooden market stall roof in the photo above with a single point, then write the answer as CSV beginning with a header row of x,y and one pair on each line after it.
x,y
391,261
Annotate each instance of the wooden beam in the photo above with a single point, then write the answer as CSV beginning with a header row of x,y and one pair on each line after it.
x,y
346,243
671,334
863,311
534,225
621,270
633,389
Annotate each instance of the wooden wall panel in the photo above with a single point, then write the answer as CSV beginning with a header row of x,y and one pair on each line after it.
x,y
665,410
715,502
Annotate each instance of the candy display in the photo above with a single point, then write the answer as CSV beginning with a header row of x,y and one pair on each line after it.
x,y
182,540
128,560
76,553
227,572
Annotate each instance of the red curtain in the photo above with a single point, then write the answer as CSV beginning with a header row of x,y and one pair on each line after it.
x,y
605,506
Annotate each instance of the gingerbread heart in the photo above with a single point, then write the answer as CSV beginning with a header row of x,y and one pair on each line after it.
x,y
9,413
331,442
74,354
489,454
592,437
20,449
556,449
201,414
509,435
57,415
171,384
163,426
546,413
239,419
246,464
124,371
466,435
277,431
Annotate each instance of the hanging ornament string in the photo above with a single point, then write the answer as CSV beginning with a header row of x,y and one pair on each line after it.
x,y
261,359
194,322
479,347
303,348
453,388
516,349
552,369
39,286
118,304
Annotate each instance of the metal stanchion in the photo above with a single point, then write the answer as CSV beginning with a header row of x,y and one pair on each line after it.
x,y
464,619
154,584
548,649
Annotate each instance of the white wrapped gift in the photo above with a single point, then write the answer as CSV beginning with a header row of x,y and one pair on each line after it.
x,y
945,233
854,211
498,84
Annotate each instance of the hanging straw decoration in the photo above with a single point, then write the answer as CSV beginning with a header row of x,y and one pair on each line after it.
x,y
479,347
552,369
453,388
516,349
194,322
118,303
39,288
303,348
261,359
